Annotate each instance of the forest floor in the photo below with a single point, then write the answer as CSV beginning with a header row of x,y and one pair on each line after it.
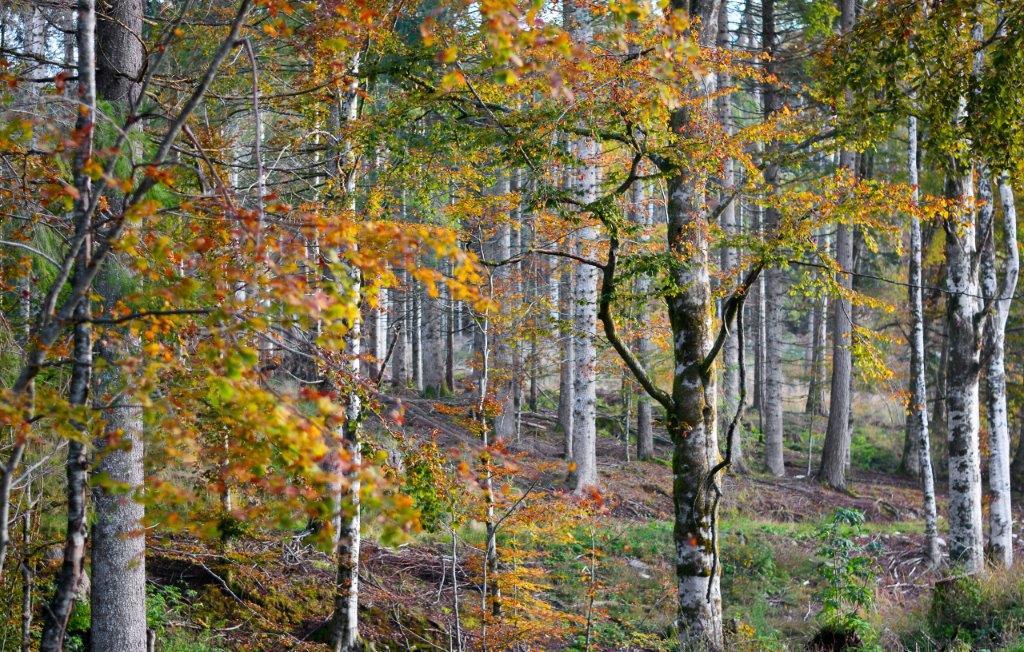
x,y
616,569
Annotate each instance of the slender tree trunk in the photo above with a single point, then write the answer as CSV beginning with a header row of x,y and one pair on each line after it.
x,y
644,346
502,381
416,334
730,221
917,416
775,280
819,338
567,363
399,325
345,621
70,574
451,323
1000,512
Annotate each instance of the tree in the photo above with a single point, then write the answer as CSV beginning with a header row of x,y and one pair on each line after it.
x,y
837,433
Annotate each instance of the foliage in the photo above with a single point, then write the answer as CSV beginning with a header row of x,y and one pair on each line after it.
x,y
848,591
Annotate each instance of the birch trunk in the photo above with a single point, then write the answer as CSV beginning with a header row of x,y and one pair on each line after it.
x,y
345,621
917,413
962,376
1000,512
567,365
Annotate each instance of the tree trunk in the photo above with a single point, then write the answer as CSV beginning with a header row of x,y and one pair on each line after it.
x,y
644,346
70,574
584,409
118,541
567,363
345,621
693,419
917,413
433,346
774,285
1000,513
118,596
962,418
819,338
416,335
836,449
730,222
502,378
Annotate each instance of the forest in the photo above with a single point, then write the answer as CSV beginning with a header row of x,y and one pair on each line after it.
x,y
511,325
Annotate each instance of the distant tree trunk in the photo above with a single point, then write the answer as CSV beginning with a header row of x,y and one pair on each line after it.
x,y
416,334
502,379
917,413
451,308
433,346
644,346
399,299
1000,512
730,221
65,587
567,364
819,338
774,285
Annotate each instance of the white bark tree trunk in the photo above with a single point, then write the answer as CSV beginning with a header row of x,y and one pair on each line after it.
x,y
917,413
1000,512
962,419
584,184
567,364
345,622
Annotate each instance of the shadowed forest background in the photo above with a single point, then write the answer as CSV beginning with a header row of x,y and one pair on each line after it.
x,y
508,325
